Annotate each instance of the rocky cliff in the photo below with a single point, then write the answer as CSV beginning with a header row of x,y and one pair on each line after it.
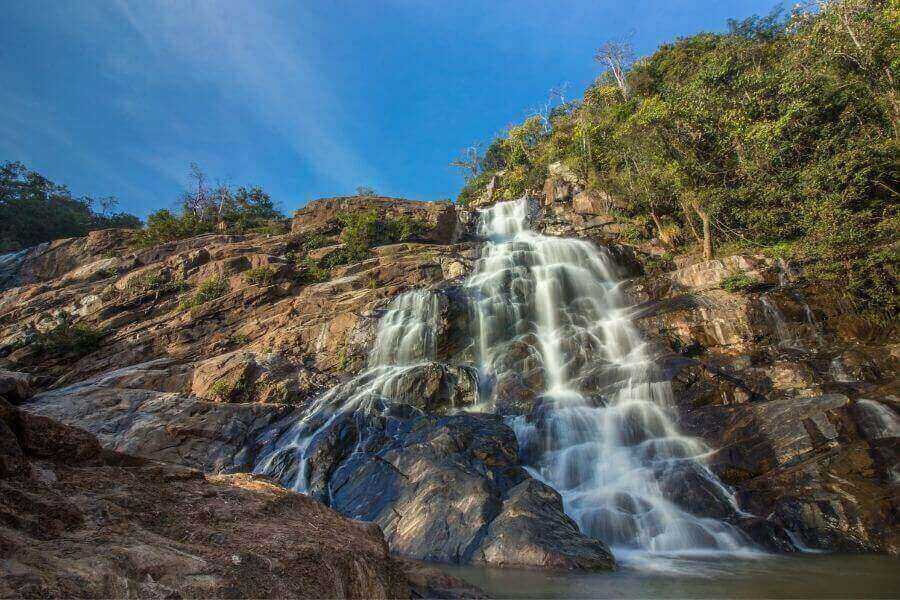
x,y
207,352
81,521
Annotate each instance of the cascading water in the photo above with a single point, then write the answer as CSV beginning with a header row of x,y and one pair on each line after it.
x,y
405,340
601,432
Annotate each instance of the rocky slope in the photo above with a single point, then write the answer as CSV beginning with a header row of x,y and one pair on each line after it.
x,y
797,397
80,521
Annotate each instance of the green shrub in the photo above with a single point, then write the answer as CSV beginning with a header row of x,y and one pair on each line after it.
x,y
271,227
262,275
67,339
309,271
314,241
738,282
360,232
221,389
239,339
403,228
165,226
210,289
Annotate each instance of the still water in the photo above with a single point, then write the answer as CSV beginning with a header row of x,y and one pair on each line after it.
x,y
805,576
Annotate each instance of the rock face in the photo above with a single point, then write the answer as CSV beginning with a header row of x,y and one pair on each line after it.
x,y
79,521
219,385
792,393
437,221
765,376
439,487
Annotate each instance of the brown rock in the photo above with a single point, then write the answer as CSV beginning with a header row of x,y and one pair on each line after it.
x,y
135,527
439,222
15,387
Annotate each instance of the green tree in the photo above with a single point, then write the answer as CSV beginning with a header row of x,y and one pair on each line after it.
x,y
34,209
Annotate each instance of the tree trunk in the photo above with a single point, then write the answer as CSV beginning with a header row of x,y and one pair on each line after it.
x,y
657,222
707,233
689,221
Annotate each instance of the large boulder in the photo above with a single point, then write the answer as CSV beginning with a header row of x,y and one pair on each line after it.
x,y
434,484
75,524
16,387
803,463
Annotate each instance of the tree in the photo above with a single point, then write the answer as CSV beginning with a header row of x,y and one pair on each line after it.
x,y
34,209
469,161
204,209
365,191
617,57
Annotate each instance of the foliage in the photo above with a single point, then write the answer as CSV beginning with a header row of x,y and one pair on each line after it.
x,y
239,339
780,133
402,229
360,232
309,271
738,282
210,289
222,390
33,210
364,190
165,226
68,339
206,209
262,275
363,230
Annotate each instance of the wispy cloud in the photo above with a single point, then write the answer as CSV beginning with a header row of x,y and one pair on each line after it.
x,y
29,124
254,63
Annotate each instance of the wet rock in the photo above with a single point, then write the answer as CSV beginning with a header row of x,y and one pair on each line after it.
x,y
438,388
800,463
109,525
534,530
877,420
15,387
437,487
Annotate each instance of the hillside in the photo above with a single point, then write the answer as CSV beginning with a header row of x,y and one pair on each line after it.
x,y
779,137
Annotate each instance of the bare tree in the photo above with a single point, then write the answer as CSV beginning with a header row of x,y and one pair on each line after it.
x,y
555,97
469,161
198,200
617,56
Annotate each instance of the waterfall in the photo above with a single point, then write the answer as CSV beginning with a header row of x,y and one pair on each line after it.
x,y
404,341
601,430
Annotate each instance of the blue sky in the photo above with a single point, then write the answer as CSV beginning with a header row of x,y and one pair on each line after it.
x,y
307,99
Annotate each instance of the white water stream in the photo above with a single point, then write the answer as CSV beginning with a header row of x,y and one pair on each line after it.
x,y
405,340
603,435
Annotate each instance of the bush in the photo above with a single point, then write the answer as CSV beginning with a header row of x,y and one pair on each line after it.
x,y
67,339
221,390
309,271
165,226
738,282
204,210
403,228
33,210
314,241
263,275
212,288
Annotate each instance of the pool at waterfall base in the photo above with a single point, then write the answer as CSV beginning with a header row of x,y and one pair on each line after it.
x,y
764,576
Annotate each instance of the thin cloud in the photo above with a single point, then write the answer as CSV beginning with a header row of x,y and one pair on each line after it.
x,y
250,59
